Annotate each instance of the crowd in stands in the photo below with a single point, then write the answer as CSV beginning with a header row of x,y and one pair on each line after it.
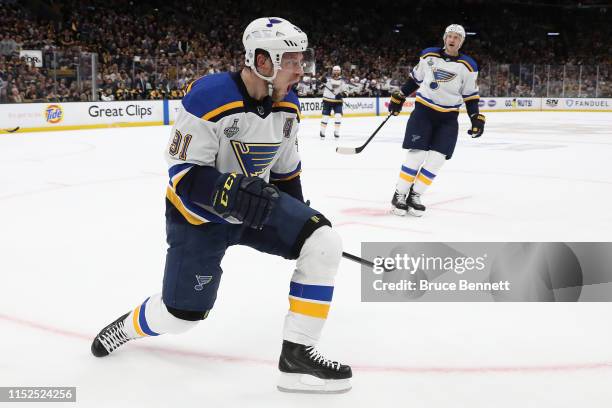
x,y
152,49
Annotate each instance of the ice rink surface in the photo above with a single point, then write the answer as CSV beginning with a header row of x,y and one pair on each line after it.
x,y
82,242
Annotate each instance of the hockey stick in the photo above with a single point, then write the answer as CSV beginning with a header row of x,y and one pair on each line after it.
x,y
11,130
362,261
355,150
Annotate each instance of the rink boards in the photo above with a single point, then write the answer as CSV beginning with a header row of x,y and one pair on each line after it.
x,y
32,117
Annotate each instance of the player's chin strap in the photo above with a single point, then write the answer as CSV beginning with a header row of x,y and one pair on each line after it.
x,y
267,79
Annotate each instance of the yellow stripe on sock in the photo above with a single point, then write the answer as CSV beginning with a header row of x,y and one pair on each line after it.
x,y
319,310
424,179
406,177
135,316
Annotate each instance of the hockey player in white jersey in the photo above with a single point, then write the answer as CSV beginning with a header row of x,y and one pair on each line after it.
x,y
305,87
444,79
334,90
234,179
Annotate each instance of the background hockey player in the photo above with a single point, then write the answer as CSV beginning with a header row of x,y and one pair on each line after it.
x,y
306,87
234,173
445,79
334,90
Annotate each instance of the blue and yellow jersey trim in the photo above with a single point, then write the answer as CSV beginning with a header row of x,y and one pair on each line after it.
x,y
463,59
224,110
435,106
468,62
431,52
213,97
286,176
310,300
194,214
288,106
471,97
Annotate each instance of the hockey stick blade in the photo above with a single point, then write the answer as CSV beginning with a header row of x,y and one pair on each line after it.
x,y
355,150
11,130
347,150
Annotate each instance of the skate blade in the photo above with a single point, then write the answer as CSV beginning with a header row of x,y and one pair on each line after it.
x,y
309,384
398,211
415,213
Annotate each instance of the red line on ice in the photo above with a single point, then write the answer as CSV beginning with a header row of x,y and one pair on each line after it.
x,y
368,368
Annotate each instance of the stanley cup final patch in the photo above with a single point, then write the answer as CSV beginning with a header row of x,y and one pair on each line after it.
x,y
232,130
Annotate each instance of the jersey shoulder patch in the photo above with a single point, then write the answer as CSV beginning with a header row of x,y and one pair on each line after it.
x,y
469,62
212,97
430,52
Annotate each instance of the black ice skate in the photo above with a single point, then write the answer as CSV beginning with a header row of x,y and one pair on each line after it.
x,y
398,203
415,207
305,370
336,136
110,338
322,135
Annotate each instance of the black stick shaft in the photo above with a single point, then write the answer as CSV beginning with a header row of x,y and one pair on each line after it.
x,y
357,259
360,148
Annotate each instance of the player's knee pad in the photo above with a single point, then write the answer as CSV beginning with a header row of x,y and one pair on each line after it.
x,y
188,315
319,257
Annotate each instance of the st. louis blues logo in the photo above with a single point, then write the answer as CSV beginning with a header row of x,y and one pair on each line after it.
x,y
254,158
202,280
272,21
441,75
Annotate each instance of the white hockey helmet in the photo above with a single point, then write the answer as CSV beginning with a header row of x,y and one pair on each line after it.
x,y
275,36
457,29
337,69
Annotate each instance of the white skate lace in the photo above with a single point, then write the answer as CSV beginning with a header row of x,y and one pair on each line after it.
x,y
317,357
401,198
113,337
415,198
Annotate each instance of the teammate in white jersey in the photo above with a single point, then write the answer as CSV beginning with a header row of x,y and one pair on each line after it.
x,y
234,179
334,90
444,79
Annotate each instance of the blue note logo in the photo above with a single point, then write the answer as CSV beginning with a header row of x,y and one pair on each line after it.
x,y
202,280
272,21
254,158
